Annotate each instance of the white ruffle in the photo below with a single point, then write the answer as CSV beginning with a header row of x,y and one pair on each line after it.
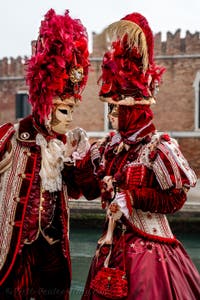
x,y
52,163
55,154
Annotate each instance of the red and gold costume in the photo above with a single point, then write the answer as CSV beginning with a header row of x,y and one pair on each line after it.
x,y
143,176
41,168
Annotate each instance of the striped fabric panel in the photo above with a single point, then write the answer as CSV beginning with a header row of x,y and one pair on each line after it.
x,y
181,161
11,184
6,131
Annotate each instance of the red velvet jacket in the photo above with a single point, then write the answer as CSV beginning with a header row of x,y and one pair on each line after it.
x,y
22,201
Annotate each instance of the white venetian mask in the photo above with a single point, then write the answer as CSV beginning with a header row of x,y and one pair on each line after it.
x,y
61,115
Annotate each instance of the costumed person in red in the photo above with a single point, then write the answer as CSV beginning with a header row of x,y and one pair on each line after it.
x,y
43,165
143,176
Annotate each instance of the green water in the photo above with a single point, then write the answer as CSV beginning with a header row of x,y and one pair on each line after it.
x,y
83,245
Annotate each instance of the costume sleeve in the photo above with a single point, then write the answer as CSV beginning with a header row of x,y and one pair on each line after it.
x,y
81,179
159,184
6,132
68,175
157,200
170,166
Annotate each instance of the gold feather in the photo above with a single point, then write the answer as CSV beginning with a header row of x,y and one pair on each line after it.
x,y
135,35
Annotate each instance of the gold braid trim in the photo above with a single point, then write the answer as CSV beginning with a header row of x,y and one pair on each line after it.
x,y
128,101
7,160
136,37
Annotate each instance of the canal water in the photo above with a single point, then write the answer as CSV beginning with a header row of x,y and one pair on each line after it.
x,y
83,245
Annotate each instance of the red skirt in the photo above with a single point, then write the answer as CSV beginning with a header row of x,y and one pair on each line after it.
x,y
155,271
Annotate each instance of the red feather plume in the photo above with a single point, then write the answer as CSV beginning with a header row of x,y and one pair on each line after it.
x,y
62,45
123,73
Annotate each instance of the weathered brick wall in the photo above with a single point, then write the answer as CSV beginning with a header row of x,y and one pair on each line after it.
x,y
8,91
99,44
90,112
175,106
191,150
11,81
13,67
175,45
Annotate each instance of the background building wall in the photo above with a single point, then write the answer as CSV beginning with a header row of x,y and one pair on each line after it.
x,y
175,108
90,112
11,82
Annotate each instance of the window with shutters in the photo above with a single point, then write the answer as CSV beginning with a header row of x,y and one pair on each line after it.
x,y
22,106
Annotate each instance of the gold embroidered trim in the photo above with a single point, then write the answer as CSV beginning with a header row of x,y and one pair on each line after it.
x,y
128,101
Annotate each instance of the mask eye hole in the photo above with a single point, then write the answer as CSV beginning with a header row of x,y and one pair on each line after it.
x,y
63,111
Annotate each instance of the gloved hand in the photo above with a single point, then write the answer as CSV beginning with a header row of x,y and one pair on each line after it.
x,y
114,211
107,191
77,145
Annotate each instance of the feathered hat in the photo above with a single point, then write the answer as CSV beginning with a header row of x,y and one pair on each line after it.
x,y
59,66
129,74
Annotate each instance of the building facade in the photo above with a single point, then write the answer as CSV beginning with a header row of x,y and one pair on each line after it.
x,y
178,102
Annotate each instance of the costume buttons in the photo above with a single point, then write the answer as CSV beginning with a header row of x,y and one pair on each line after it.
x,y
22,175
12,223
149,216
16,199
24,135
27,153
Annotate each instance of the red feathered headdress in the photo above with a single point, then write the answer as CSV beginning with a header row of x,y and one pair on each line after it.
x,y
59,66
128,69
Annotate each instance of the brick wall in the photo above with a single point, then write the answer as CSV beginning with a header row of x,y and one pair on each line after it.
x,y
190,147
175,108
90,112
11,81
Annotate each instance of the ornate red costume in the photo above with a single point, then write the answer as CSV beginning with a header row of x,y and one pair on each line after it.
x,y
143,176
42,166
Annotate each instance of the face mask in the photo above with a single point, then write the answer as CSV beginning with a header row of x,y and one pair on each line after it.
x,y
61,115
113,116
